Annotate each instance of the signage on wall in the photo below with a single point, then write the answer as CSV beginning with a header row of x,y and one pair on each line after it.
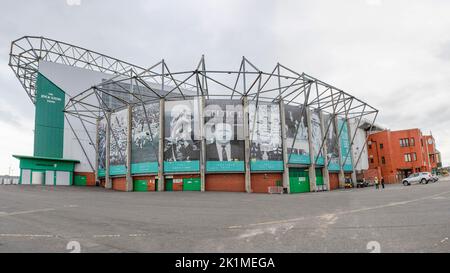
x,y
50,98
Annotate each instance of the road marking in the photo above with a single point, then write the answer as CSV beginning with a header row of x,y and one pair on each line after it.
x,y
392,204
27,235
106,236
138,235
25,212
444,240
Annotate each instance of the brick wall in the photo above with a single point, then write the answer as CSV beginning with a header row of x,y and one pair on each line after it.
x,y
261,181
225,182
119,183
334,181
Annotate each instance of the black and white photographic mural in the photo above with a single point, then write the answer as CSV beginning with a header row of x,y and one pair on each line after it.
x,y
182,136
101,147
297,135
317,137
224,134
118,142
332,144
145,138
266,151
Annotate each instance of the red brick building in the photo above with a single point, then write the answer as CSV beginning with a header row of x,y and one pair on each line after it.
x,y
396,154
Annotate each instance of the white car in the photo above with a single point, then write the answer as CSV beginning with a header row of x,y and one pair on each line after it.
x,y
423,178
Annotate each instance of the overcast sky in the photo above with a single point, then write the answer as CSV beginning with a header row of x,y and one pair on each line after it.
x,y
395,55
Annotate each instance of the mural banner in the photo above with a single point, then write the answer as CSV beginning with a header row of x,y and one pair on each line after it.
x,y
118,142
345,146
101,147
224,134
317,137
182,141
145,139
297,127
266,151
332,144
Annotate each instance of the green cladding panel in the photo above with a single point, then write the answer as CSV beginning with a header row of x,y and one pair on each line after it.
x,y
49,119
80,180
319,177
169,184
191,184
140,185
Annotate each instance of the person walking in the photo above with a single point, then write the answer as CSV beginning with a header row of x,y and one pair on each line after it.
x,y
377,186
382,182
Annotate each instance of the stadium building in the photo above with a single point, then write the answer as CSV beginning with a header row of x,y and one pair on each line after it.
x,y
103,121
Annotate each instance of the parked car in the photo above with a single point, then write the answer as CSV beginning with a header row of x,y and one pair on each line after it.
x,y
435,178
423,178
362,183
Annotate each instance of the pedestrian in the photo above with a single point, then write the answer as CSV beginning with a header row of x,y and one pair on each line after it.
x,y
377,186
382,182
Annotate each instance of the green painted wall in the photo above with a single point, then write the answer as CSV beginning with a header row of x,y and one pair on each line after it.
x,y
44,165
191,184
49,119
319,177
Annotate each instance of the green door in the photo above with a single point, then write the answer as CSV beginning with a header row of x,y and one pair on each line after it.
x,y
191,184
299,180
80,180
156,184
169,184
140,185
319,177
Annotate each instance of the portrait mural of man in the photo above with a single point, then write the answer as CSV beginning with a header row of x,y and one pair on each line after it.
x,y
180,142
224,134
265,132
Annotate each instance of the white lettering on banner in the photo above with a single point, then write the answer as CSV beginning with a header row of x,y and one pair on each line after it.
x,y
50,98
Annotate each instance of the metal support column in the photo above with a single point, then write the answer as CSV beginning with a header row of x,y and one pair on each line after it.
x,y
129,177
161,147
108,182
248,187
312,166
203,144
97,124
286,184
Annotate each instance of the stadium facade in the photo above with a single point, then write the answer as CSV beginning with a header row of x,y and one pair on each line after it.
x,y
100,120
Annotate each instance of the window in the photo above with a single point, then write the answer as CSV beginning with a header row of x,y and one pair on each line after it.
x,y
370,146
414,157
404,142
383,160
412,142
407,157
371,160
381,145
421,141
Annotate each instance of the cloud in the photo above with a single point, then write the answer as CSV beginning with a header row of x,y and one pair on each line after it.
x,y
9,118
